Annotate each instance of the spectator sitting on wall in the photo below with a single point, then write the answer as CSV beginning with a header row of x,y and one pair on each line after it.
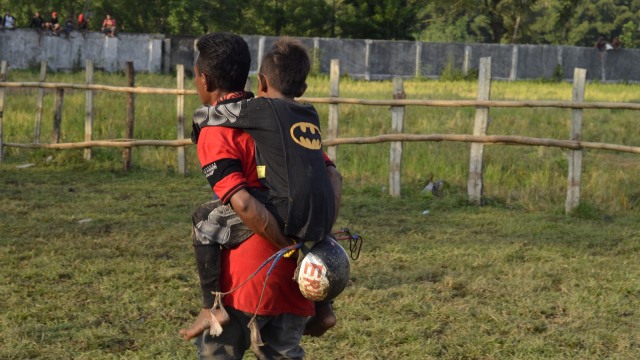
x,y
53,25
8,21
68,25
616,43
109,26
37,22
601,44
82,23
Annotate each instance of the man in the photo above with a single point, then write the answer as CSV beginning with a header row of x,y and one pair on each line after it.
x,y
54,24
227,157
109,26
37,22
8,21
82,23
303,184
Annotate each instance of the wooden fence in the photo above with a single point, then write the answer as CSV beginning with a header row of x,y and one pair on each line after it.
x,y
479,137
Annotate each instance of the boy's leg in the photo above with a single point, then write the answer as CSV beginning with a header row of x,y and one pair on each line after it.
x,y
207,255
281,336
323,320
231,344
208,266
214,224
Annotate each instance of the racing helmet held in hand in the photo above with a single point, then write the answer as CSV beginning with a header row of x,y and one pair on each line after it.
x,y
323,272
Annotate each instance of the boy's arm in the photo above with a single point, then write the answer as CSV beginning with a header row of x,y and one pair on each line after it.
x,y
336,183
258,219
335,178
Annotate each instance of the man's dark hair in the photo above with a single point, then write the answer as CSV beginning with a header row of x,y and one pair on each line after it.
x,y
225,59
287,65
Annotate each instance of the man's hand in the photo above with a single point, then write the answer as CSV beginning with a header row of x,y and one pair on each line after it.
x,y
258,219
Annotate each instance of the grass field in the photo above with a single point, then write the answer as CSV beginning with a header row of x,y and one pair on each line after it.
x,y
97,263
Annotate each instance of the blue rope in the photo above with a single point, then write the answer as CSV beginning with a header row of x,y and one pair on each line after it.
x,y
275,258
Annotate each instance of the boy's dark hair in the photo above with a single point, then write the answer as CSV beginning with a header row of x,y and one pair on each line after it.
x,y
225,59
287,65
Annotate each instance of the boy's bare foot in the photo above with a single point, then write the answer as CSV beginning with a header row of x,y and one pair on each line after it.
x,y
324,320
203,322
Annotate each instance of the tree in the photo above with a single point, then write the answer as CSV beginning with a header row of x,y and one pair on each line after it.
x,y
596,18
569,22
383,19
493,21
629,37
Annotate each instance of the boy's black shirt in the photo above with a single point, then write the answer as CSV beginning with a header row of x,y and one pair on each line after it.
x,y
289,149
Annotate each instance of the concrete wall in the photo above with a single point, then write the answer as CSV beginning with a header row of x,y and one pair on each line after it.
x,y
365,59
24,48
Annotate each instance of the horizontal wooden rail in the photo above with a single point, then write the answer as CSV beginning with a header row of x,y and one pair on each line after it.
x,y
340,100
475,103
486,139
125,89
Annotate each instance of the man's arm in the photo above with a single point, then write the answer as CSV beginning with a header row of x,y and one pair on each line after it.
x,y
258,219
335,178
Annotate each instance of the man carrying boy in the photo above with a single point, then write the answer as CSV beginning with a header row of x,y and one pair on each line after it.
x,y
228,159
290,164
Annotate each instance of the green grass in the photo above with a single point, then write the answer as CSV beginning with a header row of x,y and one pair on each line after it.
x,y
97,263
462,282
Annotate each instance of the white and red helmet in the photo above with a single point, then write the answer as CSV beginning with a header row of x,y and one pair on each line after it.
x,y
323,273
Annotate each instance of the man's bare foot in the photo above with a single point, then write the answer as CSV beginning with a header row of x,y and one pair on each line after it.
x,y
203,322
324,320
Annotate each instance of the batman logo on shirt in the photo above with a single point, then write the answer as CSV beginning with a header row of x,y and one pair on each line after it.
x,y
306,135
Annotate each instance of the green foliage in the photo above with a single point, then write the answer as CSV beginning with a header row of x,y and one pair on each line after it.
x,y
558,73
629,35
450,72
387,19
567,22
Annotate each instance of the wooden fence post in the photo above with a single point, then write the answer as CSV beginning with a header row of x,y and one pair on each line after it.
x,y
513,72
575,156
397,126
131,110
39,99
57,116
3,77
367,59
88,108
166,60
182,161
334,91
418,73
474,184
466,60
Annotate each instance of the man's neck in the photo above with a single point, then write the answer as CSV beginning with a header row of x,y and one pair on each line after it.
x,y
224,95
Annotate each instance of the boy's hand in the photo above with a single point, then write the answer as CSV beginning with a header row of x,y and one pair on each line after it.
x,y
200,324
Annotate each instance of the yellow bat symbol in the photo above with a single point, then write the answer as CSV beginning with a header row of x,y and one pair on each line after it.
x,y
306,135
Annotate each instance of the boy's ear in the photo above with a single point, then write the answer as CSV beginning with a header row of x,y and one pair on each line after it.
x,y
263,85
204,80
302,90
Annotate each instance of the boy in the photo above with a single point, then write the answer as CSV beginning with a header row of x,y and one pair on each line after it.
x,y
227,157
304,215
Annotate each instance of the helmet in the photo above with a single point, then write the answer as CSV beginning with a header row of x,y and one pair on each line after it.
x,y
323,272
